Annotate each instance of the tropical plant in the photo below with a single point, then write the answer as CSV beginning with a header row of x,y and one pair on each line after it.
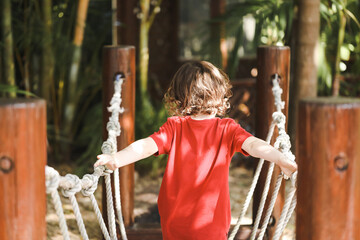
x,y
7,46
339,42
149,113
45,34
272,21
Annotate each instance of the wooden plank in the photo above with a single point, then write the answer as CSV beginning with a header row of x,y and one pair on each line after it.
x,y
271,60
121,59
328,156
22,169
153,232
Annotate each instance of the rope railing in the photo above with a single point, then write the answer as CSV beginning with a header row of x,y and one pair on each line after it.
x,y
70,184
283,144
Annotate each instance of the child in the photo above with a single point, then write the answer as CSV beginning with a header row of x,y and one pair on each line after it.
x,y
194,200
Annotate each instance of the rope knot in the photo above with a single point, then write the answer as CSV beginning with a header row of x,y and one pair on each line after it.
x,y
278,117
89,184
277,91
282,142
70,184
113,126
52,179
108,147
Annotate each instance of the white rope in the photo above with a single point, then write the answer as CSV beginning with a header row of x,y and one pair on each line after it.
x,y
110,147
284,215
118,205
52,184
110,208
71,184
262,201
252,188
290,212
89,184
117,129
283,144
270,207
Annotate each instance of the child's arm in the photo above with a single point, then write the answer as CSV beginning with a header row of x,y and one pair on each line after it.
x,y
136,151
260,149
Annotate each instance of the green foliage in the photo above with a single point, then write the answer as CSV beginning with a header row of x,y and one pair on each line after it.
x,y
5,88
268,22
150,115
339,51
29,39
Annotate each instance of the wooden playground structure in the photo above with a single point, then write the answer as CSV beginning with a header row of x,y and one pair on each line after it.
x,y
327,143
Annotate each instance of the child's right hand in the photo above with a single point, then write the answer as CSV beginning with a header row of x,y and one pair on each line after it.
x,y
108,160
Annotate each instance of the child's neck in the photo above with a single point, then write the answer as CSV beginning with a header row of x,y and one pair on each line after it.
x,y
203,116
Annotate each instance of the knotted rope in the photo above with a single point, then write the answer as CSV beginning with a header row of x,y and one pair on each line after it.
x,y
283,144
71,184
52,184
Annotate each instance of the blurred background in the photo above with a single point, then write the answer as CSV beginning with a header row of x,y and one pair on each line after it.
x,y
52,49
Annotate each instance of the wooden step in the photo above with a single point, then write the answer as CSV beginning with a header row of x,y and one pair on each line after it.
x,y
150,231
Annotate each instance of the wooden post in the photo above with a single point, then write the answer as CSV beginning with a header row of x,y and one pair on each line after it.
x,y
121,59
328,154
22,169
271,60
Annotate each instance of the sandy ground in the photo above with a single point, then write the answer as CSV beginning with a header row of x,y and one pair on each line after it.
x,y
146,192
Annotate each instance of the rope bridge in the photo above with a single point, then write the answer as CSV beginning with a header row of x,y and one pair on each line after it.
x,y
70,184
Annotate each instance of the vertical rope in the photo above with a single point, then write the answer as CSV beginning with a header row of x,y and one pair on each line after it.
x,y
262,201
110,147
110,207
291,210
89,184
52,183
285,214
99,217
252,188
118,204
270,207
282,143
78,217
118,85
71,184
60,212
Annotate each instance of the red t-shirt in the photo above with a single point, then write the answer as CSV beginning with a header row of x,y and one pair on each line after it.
x,y
194,200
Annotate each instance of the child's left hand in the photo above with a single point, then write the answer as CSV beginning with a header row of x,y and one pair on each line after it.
x,y
108,160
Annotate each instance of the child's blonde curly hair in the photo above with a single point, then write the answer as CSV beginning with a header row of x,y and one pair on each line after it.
x,y
198,87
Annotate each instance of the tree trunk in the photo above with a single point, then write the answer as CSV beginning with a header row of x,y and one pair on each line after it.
x,y
7,39
305,69
128,30
217,31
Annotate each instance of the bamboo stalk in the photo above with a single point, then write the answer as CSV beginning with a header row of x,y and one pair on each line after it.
x,y
75,65
114,22
335,87
146,22
7,39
